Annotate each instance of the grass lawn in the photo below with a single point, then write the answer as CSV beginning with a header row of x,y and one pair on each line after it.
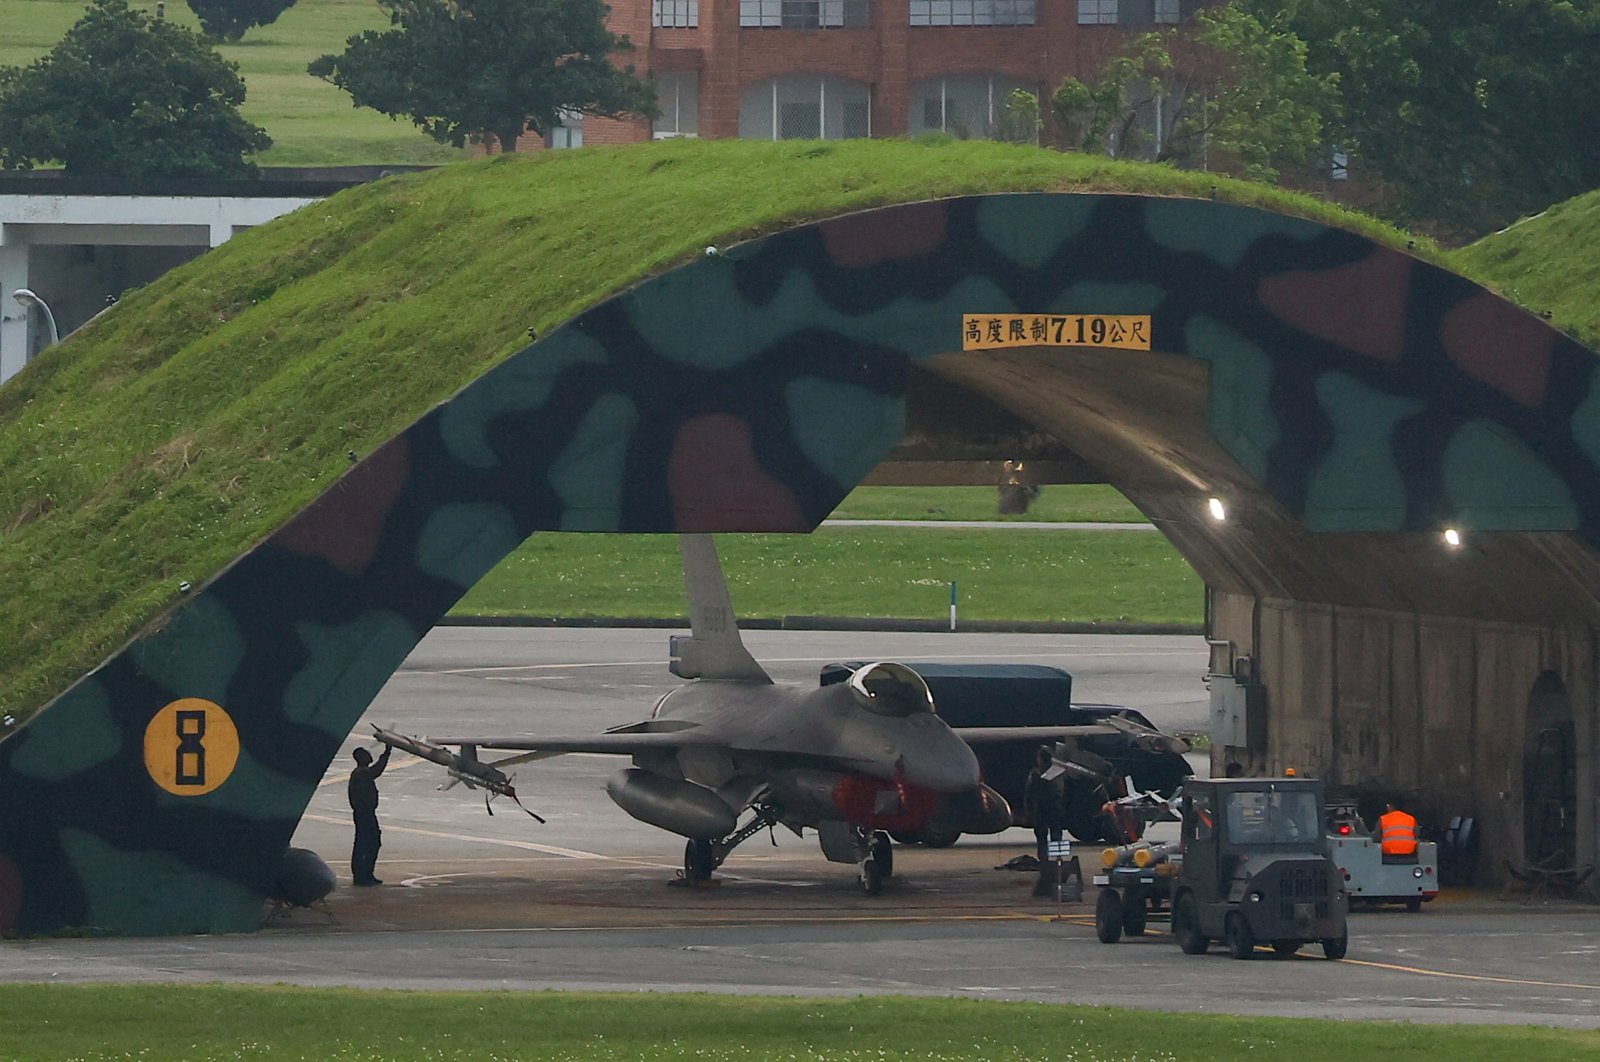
x,y
214,1021
1062,503
311,122
1072,576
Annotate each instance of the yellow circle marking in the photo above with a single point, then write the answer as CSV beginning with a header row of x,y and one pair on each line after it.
x,y
191,747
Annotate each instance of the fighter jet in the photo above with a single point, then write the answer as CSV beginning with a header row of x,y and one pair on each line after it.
x,y
852,761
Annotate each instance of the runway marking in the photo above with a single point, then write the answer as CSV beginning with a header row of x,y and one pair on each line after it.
x,y
755,923
526,846
548,849
778,660
1467,977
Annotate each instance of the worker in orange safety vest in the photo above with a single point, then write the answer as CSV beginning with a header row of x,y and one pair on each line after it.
x,y
1397,831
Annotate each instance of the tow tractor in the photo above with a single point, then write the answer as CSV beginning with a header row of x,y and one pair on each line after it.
x,y
1370,876
1251,866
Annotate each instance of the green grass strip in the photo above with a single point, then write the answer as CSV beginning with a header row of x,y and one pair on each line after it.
x,y
1045,576
1066,503
213,1021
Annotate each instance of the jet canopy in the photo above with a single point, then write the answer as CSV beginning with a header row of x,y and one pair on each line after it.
x,y
891,689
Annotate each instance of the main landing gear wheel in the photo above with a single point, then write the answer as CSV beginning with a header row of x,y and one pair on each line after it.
x,y
1335,947
1108,917
871,876
699,860
1186,926
1241,942
883,853
938,839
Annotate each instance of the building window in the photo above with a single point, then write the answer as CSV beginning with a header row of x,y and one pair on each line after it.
x,y
678,96
805,108
1167,12
972,12
568,132
967,107
1097,12
804,14
678,14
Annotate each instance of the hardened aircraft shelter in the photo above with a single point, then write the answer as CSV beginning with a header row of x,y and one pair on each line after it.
x,y
1339,403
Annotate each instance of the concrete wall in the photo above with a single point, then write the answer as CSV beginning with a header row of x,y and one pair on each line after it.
x,y
73,250
1431,711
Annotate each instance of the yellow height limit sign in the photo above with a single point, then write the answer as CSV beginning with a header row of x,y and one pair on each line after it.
x,y
991,331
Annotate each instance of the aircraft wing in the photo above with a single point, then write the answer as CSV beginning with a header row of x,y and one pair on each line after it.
x,y
1153,740
621,744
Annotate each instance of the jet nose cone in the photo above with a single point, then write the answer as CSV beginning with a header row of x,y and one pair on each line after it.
x,y
946,766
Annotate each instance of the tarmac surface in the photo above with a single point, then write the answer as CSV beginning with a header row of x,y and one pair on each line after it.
x,y
591,900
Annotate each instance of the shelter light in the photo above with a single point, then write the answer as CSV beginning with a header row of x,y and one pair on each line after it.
x,y
1452,538
1219,512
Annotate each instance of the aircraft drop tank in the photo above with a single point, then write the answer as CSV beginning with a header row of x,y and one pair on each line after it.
x,y
671,803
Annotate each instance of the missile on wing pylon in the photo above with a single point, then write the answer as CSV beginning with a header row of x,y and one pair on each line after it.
x,y
463,767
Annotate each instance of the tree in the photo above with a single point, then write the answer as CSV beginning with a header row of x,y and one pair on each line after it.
x,y
124,95
1471,113
1229,92
226,20
459,68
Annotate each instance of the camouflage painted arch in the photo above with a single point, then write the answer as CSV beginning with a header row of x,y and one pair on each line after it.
x,y
749,391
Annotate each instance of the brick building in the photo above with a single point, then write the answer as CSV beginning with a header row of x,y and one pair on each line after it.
x,y
830,69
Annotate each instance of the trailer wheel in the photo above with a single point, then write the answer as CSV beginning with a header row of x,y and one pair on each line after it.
x,y
1134,912
1241,942
1108,917
1414,904
1335,947
1186,926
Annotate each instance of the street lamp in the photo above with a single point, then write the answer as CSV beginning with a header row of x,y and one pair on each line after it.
x,y
28,298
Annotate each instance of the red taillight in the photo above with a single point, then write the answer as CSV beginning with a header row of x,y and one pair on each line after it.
x,y
1344,829
1428,871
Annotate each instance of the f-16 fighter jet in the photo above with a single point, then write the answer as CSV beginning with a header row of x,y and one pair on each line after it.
x,y
852,761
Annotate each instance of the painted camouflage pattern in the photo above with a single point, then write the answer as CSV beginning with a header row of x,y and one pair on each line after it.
x,y
749,391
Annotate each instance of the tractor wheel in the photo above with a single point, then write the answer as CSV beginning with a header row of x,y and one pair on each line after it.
x,y
1186,926
1335,947
1241,942
1285,948
1414,904
1134,915
1108,917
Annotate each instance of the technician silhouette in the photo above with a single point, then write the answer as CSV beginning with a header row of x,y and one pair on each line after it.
x,y
364,806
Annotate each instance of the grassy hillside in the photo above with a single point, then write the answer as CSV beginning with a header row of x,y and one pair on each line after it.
x,y
157,443
1548,263
311,122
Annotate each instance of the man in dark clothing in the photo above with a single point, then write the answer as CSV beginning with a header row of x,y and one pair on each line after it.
x,y
364,804
1044,802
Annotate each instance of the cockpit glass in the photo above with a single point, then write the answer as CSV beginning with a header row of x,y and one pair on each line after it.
x,y
1272,817
891,689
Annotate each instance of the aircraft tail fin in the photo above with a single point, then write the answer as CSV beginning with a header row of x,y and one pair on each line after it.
x,y
714,650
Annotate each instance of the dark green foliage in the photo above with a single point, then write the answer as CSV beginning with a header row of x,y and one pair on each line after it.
x,y
1471,113
124,95
226,20
1229,92
460,68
